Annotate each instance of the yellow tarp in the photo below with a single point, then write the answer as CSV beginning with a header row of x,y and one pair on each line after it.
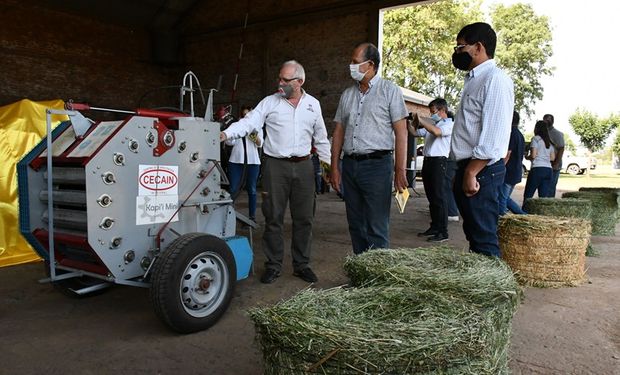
x,y
22,126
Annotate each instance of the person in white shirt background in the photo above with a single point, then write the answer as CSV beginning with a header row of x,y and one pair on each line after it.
x,y
244,156
437,133
542,153
293,121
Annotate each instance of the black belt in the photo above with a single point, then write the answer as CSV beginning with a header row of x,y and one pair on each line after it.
x,y
435,157
372,155
292,159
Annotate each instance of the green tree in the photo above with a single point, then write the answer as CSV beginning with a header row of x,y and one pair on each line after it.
x,y
592,131
418,41
417,46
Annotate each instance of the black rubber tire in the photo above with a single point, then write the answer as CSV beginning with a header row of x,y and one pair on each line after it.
x,y
67,286
172,268
573,169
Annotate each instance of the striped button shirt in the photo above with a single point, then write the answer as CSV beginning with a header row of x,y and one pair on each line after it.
x,y
483,119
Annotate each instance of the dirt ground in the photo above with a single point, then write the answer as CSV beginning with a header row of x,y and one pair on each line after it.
x,y
555,331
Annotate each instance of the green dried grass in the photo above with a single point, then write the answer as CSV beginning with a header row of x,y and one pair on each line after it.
x,y
418,311
377,330
565,207
484,281
605,208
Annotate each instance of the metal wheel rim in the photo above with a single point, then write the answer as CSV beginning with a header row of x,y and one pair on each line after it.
x,y
573,169
197,300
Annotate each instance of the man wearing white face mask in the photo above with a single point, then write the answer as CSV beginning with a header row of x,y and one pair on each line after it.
x,y
436,135
293,122
372,131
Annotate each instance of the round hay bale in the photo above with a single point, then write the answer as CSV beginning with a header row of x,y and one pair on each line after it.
x,y
566,207
376,330
545,251
604,208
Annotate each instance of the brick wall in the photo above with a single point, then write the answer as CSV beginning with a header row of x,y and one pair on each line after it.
x,y
53,55
50,54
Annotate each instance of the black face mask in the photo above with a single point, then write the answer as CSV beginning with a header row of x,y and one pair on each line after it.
x,y
461,60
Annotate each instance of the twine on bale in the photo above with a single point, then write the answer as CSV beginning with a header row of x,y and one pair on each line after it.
x,y
545,251
605,207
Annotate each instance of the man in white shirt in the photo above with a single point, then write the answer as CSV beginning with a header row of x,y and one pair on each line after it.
x,y
480,136
436,132
293,122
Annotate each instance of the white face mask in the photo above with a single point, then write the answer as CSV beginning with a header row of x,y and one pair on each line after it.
x,y
355,71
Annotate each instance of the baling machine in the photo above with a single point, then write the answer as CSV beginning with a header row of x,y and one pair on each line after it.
x,y
139,202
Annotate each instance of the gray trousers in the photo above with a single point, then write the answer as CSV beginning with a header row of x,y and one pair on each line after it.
x,y
283,182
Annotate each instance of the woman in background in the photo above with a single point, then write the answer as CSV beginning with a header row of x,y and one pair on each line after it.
x,y
236,164
541,153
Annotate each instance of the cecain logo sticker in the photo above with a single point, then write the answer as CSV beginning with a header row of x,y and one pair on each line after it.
x,y
158,179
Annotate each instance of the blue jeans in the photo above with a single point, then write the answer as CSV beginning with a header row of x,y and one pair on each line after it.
x,y
506,203
480,212
554,182
235,172
539,179
448,194
368,184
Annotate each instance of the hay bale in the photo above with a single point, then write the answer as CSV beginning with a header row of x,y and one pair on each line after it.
x,y
418,311
484,281
565,207
605,208
375,330
545,251
606,190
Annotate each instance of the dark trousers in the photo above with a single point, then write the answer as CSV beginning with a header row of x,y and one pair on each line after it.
x,y
434,179
449,195
368,185
539,179
287,182
480,212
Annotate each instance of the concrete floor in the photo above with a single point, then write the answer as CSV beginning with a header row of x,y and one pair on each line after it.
x,y
555,331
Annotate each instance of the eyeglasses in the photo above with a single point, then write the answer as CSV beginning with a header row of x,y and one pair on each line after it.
x,y
286,80
456,48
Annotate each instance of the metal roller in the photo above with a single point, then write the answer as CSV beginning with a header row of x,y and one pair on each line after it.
x,y
75,198
74,176
69,219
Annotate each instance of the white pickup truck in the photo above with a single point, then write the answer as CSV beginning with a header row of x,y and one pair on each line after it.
x,y
573,165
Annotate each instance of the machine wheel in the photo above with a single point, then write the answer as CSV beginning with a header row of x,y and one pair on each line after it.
x,y
573,169
193,282
69,286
